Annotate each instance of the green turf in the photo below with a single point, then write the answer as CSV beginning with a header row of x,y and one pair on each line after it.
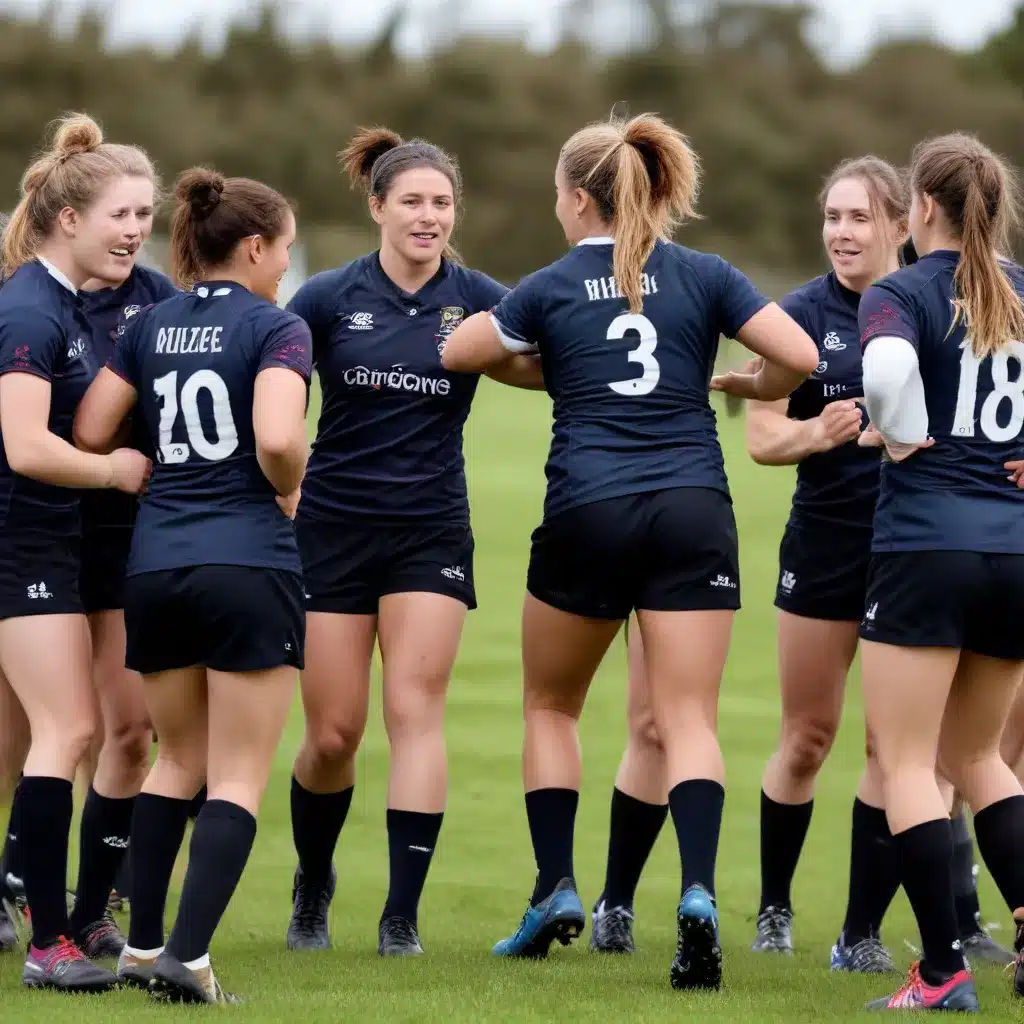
x,y
483,871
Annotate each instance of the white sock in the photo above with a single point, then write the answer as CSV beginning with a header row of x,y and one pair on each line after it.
x,y
143,954
198,965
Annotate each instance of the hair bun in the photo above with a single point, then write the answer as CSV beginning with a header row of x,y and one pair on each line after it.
x,y
368,145
76,133
201,189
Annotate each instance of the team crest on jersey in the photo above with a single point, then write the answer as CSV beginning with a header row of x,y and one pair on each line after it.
x,y
451,317
832,342
130,311
359,321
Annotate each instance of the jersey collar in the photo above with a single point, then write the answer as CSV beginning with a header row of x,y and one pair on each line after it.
x,y
407,301
597,240
57,275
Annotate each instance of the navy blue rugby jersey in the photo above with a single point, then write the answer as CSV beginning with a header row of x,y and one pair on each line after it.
x,y
43,331
953,496
389,440
838,487
630,391
193,360
109,310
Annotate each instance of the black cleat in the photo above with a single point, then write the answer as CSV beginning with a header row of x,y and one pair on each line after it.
x,y
612,929
173,982
102,939
398,937
698,959
981,948
774,931
308,928
66,968
8,929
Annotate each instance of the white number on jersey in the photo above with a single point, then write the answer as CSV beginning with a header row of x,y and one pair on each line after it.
x,y
166,389
1002,388
642,354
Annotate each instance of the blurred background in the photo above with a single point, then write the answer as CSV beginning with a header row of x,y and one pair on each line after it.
x,y
772,96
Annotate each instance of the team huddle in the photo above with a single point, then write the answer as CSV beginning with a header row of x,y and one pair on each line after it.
x,y
173,553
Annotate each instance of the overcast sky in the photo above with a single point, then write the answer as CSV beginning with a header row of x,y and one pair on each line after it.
x,y
846,28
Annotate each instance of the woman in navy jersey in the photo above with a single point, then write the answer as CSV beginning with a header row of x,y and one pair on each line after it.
x,y
124,745
637,513
383,525
65,230
213,596
942,649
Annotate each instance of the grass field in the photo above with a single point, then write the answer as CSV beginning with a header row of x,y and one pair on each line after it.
x,y
483,870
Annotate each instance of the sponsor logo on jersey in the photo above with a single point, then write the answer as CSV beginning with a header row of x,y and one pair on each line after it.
x,y
359,321
451,317
396,379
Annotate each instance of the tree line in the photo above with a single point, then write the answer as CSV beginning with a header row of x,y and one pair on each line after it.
x,y
767,116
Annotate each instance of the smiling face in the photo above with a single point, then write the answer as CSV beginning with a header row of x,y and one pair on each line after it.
x,y
855,237
107,235
270,259
417,215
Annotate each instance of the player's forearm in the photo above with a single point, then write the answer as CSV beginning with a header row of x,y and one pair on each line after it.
x,y
776,381
519,371
45,457
776,440
285,465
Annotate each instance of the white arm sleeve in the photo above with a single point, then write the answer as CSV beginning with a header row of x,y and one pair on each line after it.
x,y
518,346
894,391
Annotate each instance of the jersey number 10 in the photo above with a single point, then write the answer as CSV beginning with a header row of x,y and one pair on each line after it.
x,y
166,388
1002,388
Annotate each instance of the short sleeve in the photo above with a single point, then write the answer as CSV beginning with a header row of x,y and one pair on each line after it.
x,y
796,306
30,343
488,292
308,303
289,344
886,311
518,317
124,360
737,299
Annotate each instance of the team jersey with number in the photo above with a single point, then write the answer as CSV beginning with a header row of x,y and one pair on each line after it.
x,y
389,441
109,311
630,390
43,332
838,487
953,496
193,360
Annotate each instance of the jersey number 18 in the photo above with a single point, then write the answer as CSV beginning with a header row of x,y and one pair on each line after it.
x,y
1002,388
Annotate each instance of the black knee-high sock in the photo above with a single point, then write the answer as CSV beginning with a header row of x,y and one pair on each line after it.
x,y
103,842
634,830
221,843
158,830
874,873
926,855
552,817
965,889
123,878
783,831
696,807
12,864
317,820
999,829
46,806
412,837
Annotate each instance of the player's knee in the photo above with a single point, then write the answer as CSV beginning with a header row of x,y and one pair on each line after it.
x,y
806,744
643,731
335,741
415,714
130,742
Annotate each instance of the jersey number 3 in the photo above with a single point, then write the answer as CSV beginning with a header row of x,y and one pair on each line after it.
x,y
166,388
642,354
1002,388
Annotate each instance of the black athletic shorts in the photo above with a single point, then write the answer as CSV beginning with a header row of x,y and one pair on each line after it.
x,y
962,599
104,563
348,566
231,618
823,571
39,572
672,550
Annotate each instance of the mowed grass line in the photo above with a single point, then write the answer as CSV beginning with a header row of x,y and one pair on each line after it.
x,y
483,870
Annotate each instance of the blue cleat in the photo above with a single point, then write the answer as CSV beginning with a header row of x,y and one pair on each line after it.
x,y
698,960
561,916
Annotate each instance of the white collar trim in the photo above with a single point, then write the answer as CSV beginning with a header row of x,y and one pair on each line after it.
x,y
597,240
58,275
